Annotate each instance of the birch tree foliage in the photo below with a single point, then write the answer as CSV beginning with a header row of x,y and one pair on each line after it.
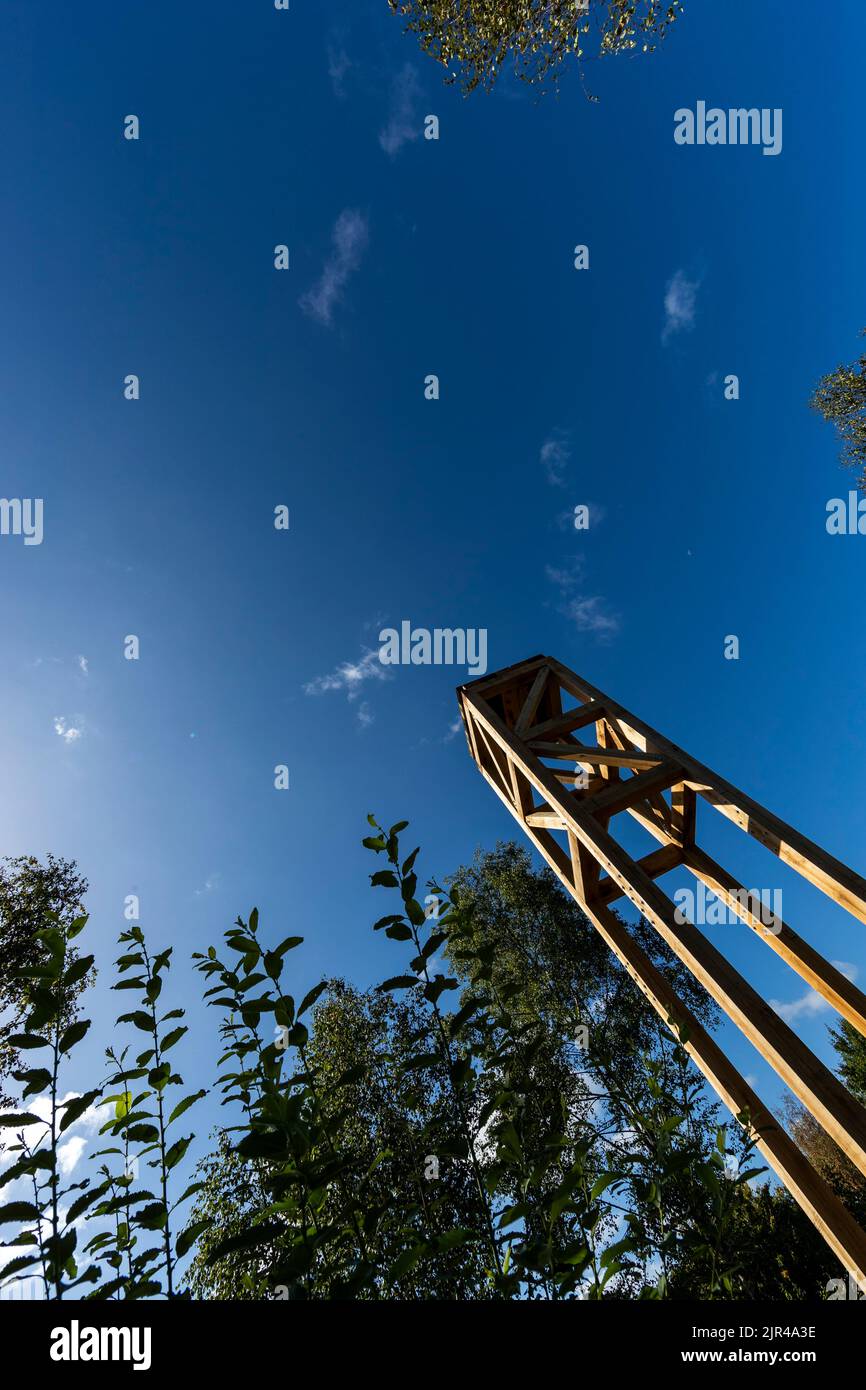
x,y
476,40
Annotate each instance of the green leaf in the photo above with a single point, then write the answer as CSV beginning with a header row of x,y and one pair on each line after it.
x,y
25,1167
184,1105
434,988
397,982
77,970
463,1015
37,1078
190,1235
273,964
408,886
124,962
140,1019
19,1211
409,1259
284,1012
19,1121
247,1239
314,994
76,927
190,1192
75,1108
143,1134
152,1217
436,940
289,944
80,1205
387,922
177,1151
73,1034
384,879
604,1182
15,1266
174,1036
399,932
263,1144
415,912
27,1040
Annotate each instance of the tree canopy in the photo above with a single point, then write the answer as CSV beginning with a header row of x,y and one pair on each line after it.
x,y
505,1117
840,397
32,896
476,40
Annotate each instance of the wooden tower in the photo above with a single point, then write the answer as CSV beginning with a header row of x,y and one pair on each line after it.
x,y
522,725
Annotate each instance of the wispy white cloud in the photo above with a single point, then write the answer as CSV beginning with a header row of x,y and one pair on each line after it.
x,y
555,454
811,1003
350,676
592,615
70,733
210,885
339,64
588,612
366,717
680,304
567,576
82,664
403,122
349,239
453,729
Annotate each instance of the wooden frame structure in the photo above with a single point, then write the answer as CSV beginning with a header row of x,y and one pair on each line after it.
x,y
522,726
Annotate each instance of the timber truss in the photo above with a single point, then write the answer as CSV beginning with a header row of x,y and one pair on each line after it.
x,y
522,724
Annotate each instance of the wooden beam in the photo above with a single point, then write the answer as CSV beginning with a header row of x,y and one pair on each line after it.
x,y
597,756
623,794
814,1084
584,870
493,759
809,964
544,816
821,1205
566,723
591,848
654,865
606,739
683,813
532,701
496,681
829,874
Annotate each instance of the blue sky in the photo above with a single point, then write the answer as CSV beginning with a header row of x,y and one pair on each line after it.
x,y
306,388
